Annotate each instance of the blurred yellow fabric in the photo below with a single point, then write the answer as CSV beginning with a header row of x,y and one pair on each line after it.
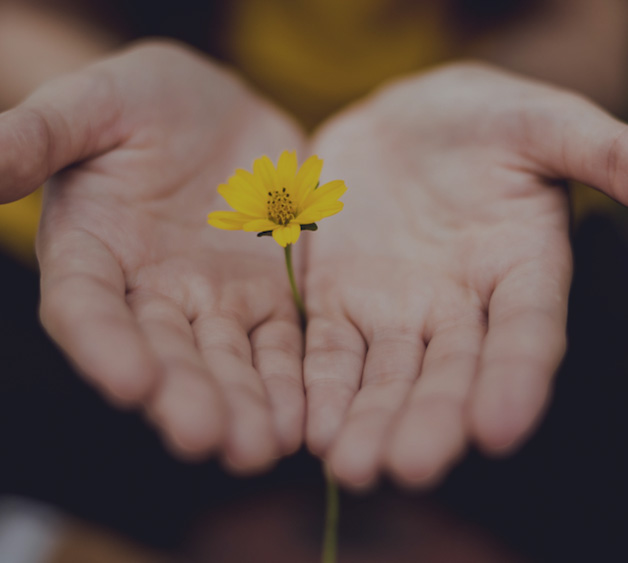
x,y
18,227
314,56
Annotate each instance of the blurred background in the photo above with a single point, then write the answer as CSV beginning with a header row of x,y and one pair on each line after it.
x,y
83,482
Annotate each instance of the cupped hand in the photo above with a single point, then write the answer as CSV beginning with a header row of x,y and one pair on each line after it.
x,y
150,303
438,298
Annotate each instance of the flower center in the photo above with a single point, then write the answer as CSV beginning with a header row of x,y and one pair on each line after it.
x,y
280,207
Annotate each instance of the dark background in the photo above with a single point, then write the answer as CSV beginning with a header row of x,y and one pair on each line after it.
x,y
563,497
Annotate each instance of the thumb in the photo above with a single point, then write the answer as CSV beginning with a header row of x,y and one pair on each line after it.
x,y
575,139
67,120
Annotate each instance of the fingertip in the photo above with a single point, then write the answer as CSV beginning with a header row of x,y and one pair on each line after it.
x,y
24,146
251,447
415,474
184,449
322,425
190,415
346,476
418,481
355,458
289,428
327,405
246,461
194,443
287,403
505,410
247,466
128,385
425,444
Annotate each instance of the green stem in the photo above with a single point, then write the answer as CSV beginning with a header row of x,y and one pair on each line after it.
x,y
295,290
330,537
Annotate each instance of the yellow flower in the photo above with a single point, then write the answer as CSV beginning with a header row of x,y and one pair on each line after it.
x,y
280,200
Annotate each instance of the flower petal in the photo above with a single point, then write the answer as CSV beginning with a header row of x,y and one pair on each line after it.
x,y
315,213
287,170
328,192
294,232
260,225
264,170
279,236
307,178
243,200
245,180
228,220
287,235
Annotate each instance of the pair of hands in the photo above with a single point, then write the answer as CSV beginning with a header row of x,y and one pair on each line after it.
x,y
437,299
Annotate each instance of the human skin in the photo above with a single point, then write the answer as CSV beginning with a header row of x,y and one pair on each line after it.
x,y
154,307
99,244
42,40
438,299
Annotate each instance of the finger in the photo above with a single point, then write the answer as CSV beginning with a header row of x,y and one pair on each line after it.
x,y
251,443
66,121
332,369
430,433
392,365
83,308
574,139
522,350
278,357
187,404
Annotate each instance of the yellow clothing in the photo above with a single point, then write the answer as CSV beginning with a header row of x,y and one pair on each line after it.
x,y
314,56
18,227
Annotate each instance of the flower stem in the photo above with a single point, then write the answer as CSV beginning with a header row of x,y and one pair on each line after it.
x,y
330,536
293,285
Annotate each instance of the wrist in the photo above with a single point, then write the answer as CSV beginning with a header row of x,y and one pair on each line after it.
x,y
37,45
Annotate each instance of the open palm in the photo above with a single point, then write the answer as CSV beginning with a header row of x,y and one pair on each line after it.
x,y
438,299
149,302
